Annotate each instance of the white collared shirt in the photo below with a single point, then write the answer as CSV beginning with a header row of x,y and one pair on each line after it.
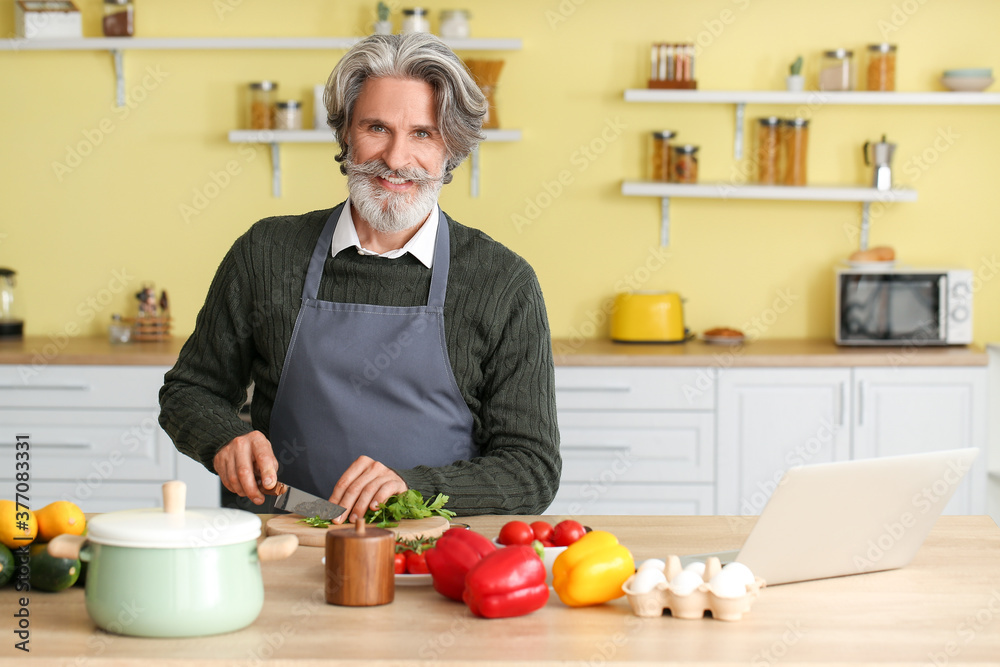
x,y
421,245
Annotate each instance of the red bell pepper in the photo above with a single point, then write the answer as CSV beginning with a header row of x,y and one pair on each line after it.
x,y
507,582
453,555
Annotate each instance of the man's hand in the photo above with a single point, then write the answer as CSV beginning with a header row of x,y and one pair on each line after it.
x,y
363,486
245,460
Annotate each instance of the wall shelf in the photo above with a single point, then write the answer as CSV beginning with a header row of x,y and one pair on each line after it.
x,y
811,98
277,137
117,46
724,190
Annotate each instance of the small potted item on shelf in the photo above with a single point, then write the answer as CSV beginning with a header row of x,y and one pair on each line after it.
x,y
47,20
383,26
672,66
794,82
150,324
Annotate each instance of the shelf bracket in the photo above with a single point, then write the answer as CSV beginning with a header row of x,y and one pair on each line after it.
x,y
738,134
117,56
664,221
275,170
474,173
865,223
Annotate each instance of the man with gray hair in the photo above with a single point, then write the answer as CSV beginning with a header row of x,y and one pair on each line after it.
x,y
390,347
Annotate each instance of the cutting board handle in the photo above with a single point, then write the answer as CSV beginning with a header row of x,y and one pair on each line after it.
x,y
277,547
66,546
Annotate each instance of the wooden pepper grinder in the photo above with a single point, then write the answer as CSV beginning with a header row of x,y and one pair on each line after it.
x,y
359,566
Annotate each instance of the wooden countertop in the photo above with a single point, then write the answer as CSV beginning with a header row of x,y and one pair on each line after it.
x,y
44,350
943,607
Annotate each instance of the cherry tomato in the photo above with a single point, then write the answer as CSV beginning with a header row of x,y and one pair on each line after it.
x,y
516,532
567,532
547,543
416,563
542,530
399,564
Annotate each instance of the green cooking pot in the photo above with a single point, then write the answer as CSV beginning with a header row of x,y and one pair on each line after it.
x,y
173,573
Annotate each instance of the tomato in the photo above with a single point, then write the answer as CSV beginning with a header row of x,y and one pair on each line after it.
x,y
416,563
567,532
547,543
399,564
542,530
516,532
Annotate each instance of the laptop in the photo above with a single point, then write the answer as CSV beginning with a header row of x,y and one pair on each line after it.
x,y
849,517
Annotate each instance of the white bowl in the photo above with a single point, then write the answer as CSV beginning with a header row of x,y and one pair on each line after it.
x,y
967,84
985,72
550,557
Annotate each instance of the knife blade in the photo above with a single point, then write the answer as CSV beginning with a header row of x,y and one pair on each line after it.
x,y
299,502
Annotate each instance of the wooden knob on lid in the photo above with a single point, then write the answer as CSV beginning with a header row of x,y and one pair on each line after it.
x,y
359,566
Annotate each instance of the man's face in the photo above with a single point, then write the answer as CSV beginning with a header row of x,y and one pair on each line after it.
x,y
396,155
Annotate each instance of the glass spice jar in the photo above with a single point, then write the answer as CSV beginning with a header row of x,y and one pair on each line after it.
x,y
119,18
661,154
415,20
794,143
261,106
881,67
684,164
766,155
454,24
836,72
288,115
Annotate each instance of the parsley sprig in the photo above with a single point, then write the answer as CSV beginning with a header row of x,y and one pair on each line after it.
x,y
407,505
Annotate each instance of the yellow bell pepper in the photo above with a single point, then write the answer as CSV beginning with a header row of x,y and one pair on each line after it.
x,y
592,570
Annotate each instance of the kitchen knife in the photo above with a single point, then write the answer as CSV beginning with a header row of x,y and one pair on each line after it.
x,y
299,502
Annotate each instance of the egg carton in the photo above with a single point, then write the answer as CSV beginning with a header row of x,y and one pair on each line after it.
x,y
695,604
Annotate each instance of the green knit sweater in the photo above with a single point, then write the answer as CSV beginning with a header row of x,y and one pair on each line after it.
x,y
497,337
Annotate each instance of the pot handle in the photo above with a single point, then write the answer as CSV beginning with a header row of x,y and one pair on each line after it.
x,y
277,547
66,546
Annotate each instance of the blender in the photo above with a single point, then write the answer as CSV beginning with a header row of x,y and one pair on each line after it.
x,y
10,326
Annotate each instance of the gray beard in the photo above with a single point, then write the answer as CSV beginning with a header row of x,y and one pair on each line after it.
x,y
390,212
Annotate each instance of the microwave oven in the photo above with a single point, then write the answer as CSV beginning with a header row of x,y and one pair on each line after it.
x,y
903,306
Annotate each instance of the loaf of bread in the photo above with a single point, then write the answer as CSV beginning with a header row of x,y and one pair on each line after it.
x,y
882,253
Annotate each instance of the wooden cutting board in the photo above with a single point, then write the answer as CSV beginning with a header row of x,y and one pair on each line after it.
x,y
408,529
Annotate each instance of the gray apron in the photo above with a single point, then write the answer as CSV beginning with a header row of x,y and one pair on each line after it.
x,y
367,380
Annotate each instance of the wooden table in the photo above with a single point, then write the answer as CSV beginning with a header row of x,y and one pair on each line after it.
x,y
942,609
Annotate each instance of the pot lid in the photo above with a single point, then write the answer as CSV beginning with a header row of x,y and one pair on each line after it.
x,y
154,528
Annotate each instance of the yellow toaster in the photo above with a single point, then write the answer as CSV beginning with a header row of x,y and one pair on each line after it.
x,y
648,317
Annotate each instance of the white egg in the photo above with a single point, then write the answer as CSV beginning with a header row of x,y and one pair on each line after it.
x,y
746,576
698,567
646,579
685,582
655,563
728,584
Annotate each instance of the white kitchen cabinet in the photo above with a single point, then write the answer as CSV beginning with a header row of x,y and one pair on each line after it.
x,y
636,440
94,437
770,419
911,410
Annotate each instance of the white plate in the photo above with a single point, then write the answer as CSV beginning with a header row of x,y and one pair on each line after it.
x,y
414,580
724,340
405,579
871,266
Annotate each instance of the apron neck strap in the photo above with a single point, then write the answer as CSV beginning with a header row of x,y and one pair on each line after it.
x,y
439,270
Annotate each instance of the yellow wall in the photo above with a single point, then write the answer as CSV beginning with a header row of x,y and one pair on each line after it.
x,y
118,210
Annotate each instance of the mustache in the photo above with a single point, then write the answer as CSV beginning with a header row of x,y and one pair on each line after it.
x,y
379,168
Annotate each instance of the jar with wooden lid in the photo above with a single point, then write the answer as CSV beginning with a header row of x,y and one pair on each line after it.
x,y
794,145
768,149
684,164
288,115
261,105
119,18
836,72
881,67
660,151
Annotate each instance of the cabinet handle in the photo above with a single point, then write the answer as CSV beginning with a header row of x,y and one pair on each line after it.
x,y
843,404
52,445
619,388
47,387
861,402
